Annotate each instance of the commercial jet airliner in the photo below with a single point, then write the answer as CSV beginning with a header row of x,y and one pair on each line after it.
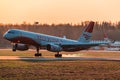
x,y
113,46
23,39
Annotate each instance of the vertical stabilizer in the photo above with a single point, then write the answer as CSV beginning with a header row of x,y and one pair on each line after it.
x,y
87,33
106,37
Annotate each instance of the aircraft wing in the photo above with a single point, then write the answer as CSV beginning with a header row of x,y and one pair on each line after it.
x,y
85,44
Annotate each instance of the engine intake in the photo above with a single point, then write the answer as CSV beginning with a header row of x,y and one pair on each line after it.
x,y
54,48
21,47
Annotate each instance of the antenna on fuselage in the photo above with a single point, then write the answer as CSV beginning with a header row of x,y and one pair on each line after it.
x,y
64,37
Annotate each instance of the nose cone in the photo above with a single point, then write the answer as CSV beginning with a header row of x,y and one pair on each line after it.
x,y
5,36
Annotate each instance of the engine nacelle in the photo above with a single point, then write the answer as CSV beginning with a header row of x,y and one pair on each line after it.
x,y
21,47
54,48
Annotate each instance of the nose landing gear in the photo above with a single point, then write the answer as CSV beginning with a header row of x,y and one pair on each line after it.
x,y
14,47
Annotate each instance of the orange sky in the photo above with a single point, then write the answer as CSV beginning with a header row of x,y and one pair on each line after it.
x,y
59,11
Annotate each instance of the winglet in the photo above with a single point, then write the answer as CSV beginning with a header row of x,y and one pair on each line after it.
x,y
87,33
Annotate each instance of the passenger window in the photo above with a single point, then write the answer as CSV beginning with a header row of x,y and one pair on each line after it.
x,y
11,32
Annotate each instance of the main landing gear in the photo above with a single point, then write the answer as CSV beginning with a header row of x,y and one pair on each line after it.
x,y
37,54
58,55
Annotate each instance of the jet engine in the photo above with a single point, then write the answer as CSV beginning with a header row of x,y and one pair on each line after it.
x,y
54,48
21,47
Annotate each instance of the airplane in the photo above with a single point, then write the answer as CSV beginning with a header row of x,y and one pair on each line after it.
x,y
113,46
23,39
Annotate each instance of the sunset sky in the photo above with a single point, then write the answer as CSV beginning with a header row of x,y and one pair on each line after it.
x,y
59,11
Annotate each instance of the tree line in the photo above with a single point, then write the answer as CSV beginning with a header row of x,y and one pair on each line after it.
x,y
71,31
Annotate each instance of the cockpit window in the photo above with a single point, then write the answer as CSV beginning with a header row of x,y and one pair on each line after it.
x,y
11,32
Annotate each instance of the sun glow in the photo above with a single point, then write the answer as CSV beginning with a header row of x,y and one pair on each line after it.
x,y
58,11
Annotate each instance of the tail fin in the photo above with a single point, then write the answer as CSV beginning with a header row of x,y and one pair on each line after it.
x,y
106,37
87,33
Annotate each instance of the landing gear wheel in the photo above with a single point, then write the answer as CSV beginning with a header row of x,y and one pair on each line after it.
x,y
14,48
58,55
38,54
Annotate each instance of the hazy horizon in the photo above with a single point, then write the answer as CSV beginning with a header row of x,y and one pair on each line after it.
x,y
59,11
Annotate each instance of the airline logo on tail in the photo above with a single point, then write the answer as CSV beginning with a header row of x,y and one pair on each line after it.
x,y
90,27
87,33
86,36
